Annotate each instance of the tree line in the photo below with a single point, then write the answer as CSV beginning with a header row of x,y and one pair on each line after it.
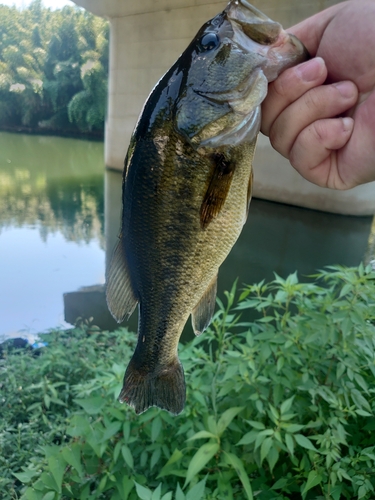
x,y
53,70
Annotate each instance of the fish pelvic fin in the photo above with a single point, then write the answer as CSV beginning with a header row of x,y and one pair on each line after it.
x,y
163,388
204,310
121,299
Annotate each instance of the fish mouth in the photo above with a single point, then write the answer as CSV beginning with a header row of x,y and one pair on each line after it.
x,y
254,32
276,50
254,23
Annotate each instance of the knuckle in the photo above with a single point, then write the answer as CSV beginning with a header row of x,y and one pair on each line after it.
x,y
275,137
319,130
294,158
297,155
313,99
297,150
278,140
279,86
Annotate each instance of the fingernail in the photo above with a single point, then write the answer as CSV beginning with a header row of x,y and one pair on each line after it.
x,y
347,124
346,89
311,70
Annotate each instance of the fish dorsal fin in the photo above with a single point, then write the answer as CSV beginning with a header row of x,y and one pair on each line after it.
x,y
204,310
121,298
218,188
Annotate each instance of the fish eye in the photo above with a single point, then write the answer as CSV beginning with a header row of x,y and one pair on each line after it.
x,y
209,41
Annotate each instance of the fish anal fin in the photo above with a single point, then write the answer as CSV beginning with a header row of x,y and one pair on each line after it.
x,y
218,188
204,310
121,298
164,388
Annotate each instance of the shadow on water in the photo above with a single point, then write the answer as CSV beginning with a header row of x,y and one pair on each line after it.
x,y
57,216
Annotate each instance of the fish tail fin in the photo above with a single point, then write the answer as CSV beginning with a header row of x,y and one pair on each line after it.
x,y
164,387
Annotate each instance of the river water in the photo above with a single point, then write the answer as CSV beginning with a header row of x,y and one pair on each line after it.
x,y
60,209
51,227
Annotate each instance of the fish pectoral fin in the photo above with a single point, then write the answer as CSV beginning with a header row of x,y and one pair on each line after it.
x,y
163,388
121,299
204,310
218,188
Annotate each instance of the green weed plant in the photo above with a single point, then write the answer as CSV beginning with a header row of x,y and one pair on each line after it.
x,y
278,408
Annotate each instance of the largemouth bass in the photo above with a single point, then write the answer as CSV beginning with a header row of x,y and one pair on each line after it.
x,y
186,191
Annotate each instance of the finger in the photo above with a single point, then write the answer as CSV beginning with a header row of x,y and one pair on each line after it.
x,y
288,87
325,101
312,153
311,30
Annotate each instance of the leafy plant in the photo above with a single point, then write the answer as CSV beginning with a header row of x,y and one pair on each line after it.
x,y
278,408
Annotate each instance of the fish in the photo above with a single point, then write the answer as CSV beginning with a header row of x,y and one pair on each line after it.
x,y
187,185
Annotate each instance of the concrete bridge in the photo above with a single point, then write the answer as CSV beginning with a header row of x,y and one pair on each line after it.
x,y
146,38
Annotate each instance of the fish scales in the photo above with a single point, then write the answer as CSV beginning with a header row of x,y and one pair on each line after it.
x,y
170,289
186,191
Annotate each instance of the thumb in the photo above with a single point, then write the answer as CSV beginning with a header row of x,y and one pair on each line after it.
x,y
311,30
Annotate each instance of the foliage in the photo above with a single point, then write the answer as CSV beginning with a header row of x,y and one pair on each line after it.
x,y
278,408
47,60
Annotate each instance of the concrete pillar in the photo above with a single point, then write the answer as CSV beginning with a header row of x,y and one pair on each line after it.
x,y
147,36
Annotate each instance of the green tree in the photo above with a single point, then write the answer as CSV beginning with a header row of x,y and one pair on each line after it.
x,y
47,58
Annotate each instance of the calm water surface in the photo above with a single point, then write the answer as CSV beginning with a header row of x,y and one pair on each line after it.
x,y
51,227
59,211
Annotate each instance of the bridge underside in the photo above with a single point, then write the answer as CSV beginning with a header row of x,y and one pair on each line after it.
x,y
146,38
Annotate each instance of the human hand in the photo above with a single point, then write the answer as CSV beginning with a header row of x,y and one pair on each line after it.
x,y
321,114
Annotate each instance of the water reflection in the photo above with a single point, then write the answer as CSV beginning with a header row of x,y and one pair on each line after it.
x,y
54,229
51,227
53,183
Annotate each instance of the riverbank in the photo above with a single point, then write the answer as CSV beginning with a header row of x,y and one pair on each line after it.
x,y
280,407
71,134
